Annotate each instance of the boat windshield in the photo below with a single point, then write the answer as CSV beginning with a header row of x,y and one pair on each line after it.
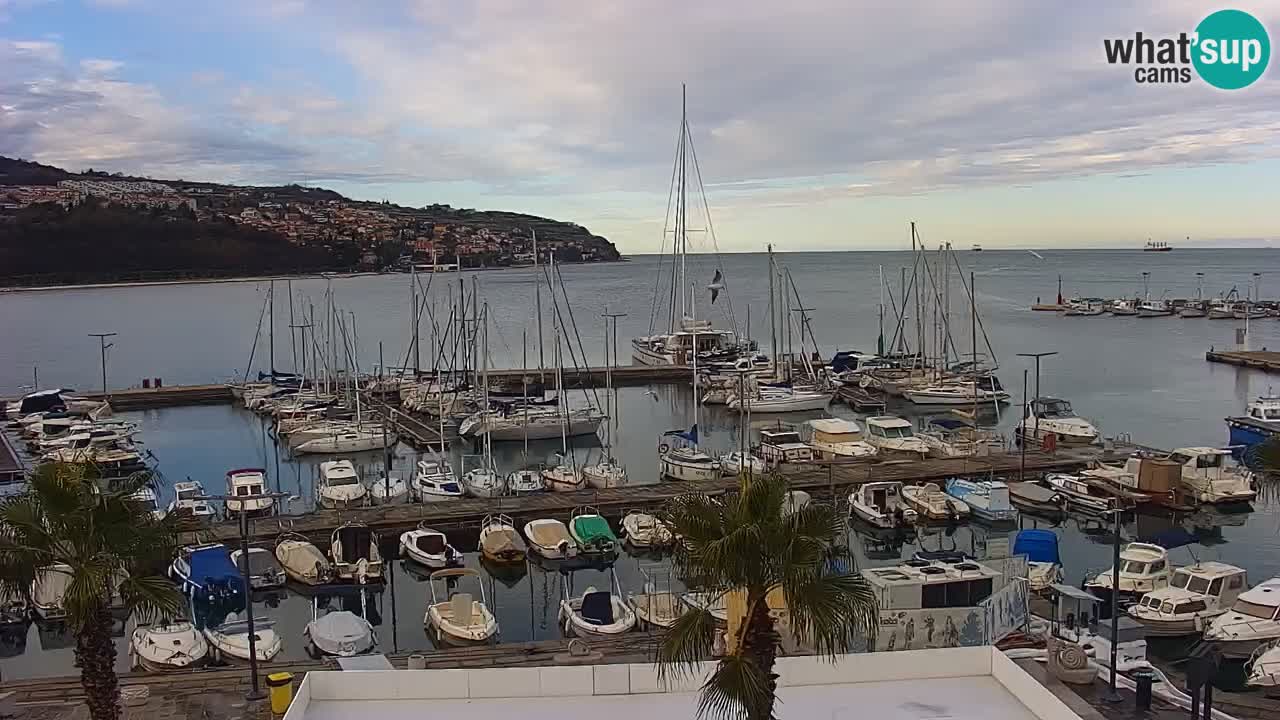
x,y
1055,408
893,432
1213,460
1133,567
341,480
1244,607
187,494
249,490
1180,579
1198,585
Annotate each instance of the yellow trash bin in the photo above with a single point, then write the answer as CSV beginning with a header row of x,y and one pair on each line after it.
x,y
281,685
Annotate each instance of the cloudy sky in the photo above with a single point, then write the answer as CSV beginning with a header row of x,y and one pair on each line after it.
x,y
817,124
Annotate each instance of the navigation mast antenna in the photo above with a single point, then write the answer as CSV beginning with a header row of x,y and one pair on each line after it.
x,y
682,234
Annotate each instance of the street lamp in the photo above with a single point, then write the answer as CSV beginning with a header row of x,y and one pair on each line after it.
x,y
1112,696
103,345
255,691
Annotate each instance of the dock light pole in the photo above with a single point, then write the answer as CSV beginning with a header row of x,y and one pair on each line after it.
x,y
1112,696
103,345
255,691
1037,356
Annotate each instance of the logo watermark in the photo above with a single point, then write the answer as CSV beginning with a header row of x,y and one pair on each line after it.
x,y
1229,49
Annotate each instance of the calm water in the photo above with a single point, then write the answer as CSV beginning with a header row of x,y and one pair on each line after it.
x,y
1146,378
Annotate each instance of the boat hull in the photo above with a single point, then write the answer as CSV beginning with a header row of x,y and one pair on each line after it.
x,y
676,470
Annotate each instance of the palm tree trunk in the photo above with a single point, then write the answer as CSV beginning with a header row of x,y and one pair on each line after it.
x,y
761,646
96,656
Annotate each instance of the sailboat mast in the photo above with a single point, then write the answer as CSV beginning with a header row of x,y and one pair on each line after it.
x,y
293,346
537,301
413,310
524,389
682,235
696,398
271,326
973,337
880,337
484,362
773,319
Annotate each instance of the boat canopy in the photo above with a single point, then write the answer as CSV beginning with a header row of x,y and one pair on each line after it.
x,y
597,607
355,540
431,543
211,567
1037,545
43,401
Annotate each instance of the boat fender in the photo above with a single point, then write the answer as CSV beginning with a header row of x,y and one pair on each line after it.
x,y
663,449
864,382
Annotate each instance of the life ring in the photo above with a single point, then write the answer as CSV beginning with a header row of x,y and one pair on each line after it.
x,y
864,382
663,449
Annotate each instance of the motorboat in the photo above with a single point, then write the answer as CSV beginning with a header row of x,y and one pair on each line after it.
x,y
525,481
1192,310
737,462
881,504
1082,494
597,614
1246,311
49,592
677,346
1124,308
931,503
987,499
500,542
656,606
207,574
1252,621
542,423
948,437
893,438
592,533
229,640
1053,416
1044,564
187,502
605,474
783,446
389,489
1260,422
340,633
264,570
781,400
144,498
550,539
14,611
563,477
302,561
459,619
360,439
244,482
643,530
839,439
957,393
1143,567
686,463
429,547
354,550
1086,308
1196,594
435,481
340,485
175,645
484,482
1211,476
1036,498
1154,308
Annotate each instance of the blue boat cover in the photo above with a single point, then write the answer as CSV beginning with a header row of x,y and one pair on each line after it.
x,y
1037,545
213,572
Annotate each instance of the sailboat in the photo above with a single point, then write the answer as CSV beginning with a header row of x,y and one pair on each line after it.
x,y
485,481
608,473
685,337
564,476
527,480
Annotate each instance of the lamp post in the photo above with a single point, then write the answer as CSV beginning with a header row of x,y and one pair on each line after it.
x,y
255,691
1037,356
1112,696
103,345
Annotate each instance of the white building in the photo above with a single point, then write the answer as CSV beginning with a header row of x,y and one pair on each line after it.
x,y
953,683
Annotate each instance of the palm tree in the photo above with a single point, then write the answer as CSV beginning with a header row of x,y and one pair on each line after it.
x,y
110,545
744,541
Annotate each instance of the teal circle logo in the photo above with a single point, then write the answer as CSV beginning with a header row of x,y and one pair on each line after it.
x,y
1232,49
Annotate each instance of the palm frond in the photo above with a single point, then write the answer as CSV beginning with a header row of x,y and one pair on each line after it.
x,y
152,597
828,609
738,689
686,643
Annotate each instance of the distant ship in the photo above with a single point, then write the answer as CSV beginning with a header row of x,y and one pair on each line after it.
x,y
976,248
1157,247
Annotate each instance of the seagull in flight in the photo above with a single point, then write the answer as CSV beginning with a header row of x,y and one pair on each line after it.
x,y
717,284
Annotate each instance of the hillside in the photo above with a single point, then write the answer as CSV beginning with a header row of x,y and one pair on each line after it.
x,y
92,226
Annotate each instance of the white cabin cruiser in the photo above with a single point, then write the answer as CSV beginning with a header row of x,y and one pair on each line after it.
x,y
643,530
171,646
1212,477
1143,567
677,347
880,504
1052,416
893,438
230,639
1264,666
339,485
302,561
429,547
947,437
459,619
389,489
1154,308
931,503
839,439
1196,594
49,592
687,463
783,446
737,462
596,613
248,481
435,481
186,504
550,539
354,549
1252,621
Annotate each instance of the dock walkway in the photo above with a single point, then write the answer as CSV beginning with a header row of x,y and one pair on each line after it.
x,y
1265,360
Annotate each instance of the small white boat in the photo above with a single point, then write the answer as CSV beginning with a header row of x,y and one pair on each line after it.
x,y
715,603
248,481
656,607
435,481
389,489
1212,477
1080,493
839,439
880,504
931,503
596,613
350,441
959,393
1154,308
686,463
1252,621
1263,667
893,438
563,478
592,533
459,619
551,539
781,400
604,474
340,485
1124,308
264,570
738,462
354,550
1053,416
1143,567
185,503
172,646
643,530
500,542
525,481
429,547
230,640
340,633
484,482
1195,595
947,437
302,561
987,499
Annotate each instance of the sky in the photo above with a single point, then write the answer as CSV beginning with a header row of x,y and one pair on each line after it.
x,y
818,125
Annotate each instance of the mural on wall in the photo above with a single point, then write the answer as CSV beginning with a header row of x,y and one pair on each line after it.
x,y
921,629
1006,610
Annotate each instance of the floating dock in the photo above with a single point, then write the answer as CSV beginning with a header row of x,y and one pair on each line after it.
x,y
821,480
1264,360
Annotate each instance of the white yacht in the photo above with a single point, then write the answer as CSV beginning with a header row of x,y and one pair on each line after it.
x,y
525,481
186,503
563,477
1143,567
1252,621
1195,595
839,439
484,482
737,462
1053,416
168,646
881,504
359,439
543,423
339,485
677,346
435,482
955,393
1212,477
893,438
931,503
248,481
783,446
948,437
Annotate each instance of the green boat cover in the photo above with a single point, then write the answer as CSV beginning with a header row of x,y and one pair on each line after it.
x,y
593,532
